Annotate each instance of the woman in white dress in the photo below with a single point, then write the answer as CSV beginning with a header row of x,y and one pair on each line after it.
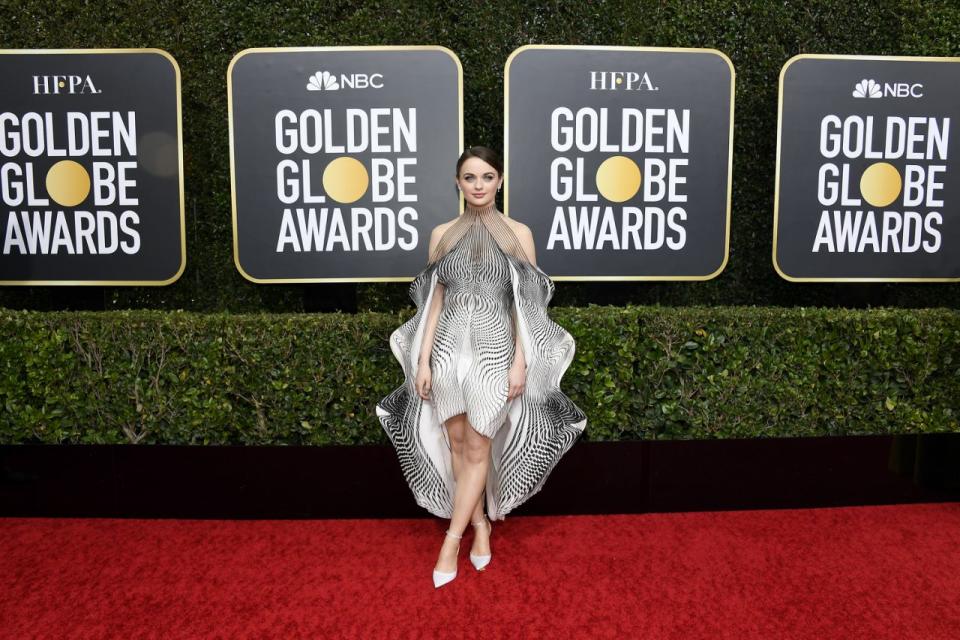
x,y
481,413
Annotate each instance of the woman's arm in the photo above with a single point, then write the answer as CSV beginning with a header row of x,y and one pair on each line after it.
x,y
525,236
518,358
433,314
433,318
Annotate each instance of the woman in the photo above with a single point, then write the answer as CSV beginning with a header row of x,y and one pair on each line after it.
x,y
481,411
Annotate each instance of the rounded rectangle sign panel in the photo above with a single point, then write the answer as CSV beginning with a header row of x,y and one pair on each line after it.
x,y
866,190
91,168
342,160
619,159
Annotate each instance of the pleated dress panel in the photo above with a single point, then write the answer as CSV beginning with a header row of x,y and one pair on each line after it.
x,y
489,288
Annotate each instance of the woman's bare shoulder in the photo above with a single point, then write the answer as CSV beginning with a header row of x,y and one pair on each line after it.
x,y
517,226
437,233
443,226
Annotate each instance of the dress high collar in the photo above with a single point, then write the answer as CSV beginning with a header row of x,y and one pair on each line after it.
x,y
479,211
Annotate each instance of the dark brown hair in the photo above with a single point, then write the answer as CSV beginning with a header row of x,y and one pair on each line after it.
x,y
486,154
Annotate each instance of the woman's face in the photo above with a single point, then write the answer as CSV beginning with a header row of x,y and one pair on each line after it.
x,y
479,182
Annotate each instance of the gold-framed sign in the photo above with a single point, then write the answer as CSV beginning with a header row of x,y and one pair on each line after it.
x,y
866,188
342,159
91,168
619,159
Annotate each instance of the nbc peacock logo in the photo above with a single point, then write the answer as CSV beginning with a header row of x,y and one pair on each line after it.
x,y
323,81
867,89
326,81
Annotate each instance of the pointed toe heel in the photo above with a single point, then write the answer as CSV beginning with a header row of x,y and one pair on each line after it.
x,y
441,578
480,562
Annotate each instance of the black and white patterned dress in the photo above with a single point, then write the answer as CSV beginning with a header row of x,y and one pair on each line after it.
x,y
489,287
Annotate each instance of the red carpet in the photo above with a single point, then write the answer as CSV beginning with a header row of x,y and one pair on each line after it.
x,y
859,572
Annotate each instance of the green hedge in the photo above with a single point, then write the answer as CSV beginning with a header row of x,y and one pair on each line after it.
x,y
639,373
758,35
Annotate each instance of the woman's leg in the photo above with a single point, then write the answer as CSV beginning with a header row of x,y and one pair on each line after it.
x,y
481,534
456,429
470,471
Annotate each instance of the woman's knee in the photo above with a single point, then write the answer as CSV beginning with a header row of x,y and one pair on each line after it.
x,y
476,447
456,428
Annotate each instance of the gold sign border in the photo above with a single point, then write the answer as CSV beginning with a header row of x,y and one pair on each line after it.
x,y
183,224
776,190
233,182
506,144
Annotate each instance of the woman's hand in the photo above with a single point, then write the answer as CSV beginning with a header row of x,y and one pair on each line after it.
x,y
423,381
517,378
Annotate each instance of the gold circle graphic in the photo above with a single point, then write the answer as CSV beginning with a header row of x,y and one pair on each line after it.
x,y
618,178
68,183
880,184
345,179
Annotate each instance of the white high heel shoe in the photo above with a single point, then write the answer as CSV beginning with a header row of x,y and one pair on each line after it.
x,y
441,578
481,562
